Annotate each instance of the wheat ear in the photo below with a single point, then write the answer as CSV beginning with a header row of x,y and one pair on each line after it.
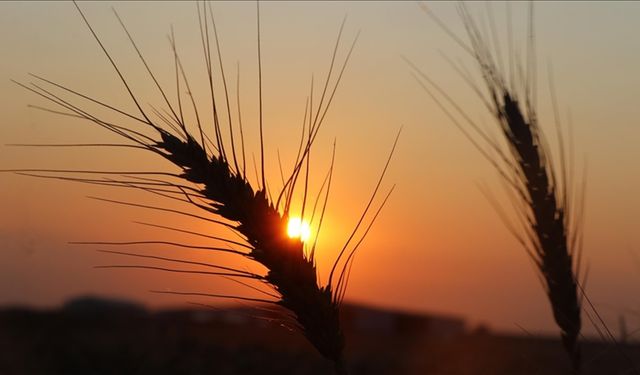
x,y
550,230
213,178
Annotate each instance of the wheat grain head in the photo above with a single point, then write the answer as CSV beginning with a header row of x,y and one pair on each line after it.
x,y
539,188
214,179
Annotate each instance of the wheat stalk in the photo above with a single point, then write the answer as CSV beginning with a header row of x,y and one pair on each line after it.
x,y
550,230
213,178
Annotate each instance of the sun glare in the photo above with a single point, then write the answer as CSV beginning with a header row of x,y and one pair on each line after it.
x,y
298,228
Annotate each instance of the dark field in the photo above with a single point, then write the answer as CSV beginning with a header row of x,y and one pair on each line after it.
x,y
92,336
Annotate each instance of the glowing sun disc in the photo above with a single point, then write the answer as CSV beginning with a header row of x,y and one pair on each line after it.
x,y
297,228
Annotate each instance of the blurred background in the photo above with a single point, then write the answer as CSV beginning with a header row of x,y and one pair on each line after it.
x,y
438,248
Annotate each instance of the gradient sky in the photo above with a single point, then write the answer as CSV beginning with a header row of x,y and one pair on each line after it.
x,y
438,245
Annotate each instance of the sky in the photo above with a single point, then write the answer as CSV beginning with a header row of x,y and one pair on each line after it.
x,y
438,245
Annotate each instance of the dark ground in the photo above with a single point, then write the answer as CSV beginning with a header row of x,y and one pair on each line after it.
x,y
90,338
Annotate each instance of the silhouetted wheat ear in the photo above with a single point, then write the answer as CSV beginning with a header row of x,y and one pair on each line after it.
x,y
292,274
550,227
213,179
551,246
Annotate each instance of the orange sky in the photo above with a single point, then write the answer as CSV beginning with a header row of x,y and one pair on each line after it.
x,y
438,245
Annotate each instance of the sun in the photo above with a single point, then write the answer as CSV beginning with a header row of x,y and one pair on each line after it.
x,y
298,228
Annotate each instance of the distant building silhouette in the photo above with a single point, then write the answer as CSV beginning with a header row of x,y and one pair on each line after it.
x,y
99,305
363,319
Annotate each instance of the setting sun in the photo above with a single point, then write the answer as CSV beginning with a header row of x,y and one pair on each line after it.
x,y
298,228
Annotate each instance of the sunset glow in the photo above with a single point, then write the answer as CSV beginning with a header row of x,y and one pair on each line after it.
x,y
298,228
439,244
